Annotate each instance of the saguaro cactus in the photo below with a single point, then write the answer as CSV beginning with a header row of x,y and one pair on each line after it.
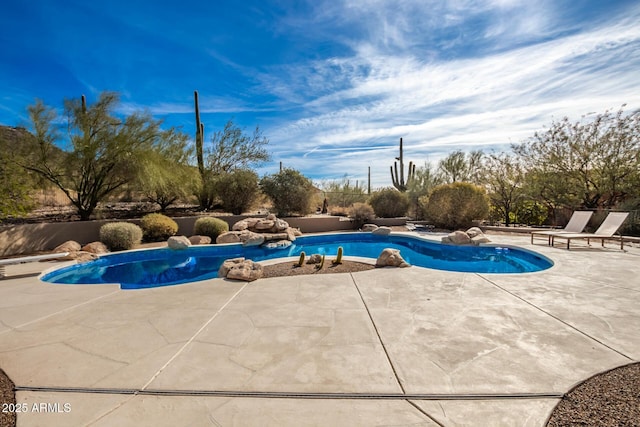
x,y
399,182
199,136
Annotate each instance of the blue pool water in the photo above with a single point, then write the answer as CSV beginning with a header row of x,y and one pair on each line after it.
x,y
160,267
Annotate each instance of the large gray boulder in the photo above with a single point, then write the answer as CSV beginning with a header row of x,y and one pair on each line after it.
x,y
369,227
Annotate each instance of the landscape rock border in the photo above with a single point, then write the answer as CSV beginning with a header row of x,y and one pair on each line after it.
x,y
260,231
473,236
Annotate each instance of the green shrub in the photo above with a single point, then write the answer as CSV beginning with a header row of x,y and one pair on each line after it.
x,y
209,226
120,236
454,206
290,192
530,212
157,227
389,203
237,190
361,213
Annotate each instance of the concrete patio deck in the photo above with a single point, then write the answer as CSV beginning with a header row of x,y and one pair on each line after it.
x,y
383,347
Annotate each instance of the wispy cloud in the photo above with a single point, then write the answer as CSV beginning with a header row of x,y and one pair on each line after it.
x,y
471,102
335,83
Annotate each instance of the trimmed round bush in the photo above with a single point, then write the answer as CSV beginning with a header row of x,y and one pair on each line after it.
x,y
157,227
454,206
389,203
209,226
120,236
361,213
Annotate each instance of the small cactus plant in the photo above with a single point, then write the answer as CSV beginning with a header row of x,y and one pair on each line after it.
x,y
301,260
319,266
338,259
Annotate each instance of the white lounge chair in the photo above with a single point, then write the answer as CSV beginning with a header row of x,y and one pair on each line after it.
x,y
576,224
606,231
22,260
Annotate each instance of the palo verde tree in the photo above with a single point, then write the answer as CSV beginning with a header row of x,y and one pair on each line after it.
x,y
596,159
165,175
104,151
15,185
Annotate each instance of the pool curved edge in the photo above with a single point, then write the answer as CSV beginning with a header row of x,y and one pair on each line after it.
x,y
327,242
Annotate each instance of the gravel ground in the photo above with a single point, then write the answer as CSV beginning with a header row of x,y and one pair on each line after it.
x,y
608,399
7,397
291,269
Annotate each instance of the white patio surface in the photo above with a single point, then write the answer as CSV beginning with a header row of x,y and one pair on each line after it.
x,y
411,346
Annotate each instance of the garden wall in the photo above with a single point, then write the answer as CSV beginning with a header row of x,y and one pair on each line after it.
x,y
30,238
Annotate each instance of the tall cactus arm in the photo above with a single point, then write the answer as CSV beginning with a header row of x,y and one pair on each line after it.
x,y
199,135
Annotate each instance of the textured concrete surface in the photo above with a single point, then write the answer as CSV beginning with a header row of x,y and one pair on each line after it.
x,y
409,346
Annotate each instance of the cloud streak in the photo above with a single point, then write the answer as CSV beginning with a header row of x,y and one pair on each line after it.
x,y
470,102
334,84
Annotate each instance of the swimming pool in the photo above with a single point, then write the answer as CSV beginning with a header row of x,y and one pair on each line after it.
x,y
159,267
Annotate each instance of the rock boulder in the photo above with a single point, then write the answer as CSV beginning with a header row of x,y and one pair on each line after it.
x,y
240,269
95,248
68,246
229,237
473,236
200,240
178,242
382,231
391,258
474,231
457,238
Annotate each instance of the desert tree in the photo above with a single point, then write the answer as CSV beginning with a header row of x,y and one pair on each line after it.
x,y
231,148
165,175
16,187
289,190
595,160
15,197
425,178
504,178
103,152
237,189
461,167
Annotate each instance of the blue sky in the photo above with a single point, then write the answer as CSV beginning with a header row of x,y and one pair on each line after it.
x,y
333,84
